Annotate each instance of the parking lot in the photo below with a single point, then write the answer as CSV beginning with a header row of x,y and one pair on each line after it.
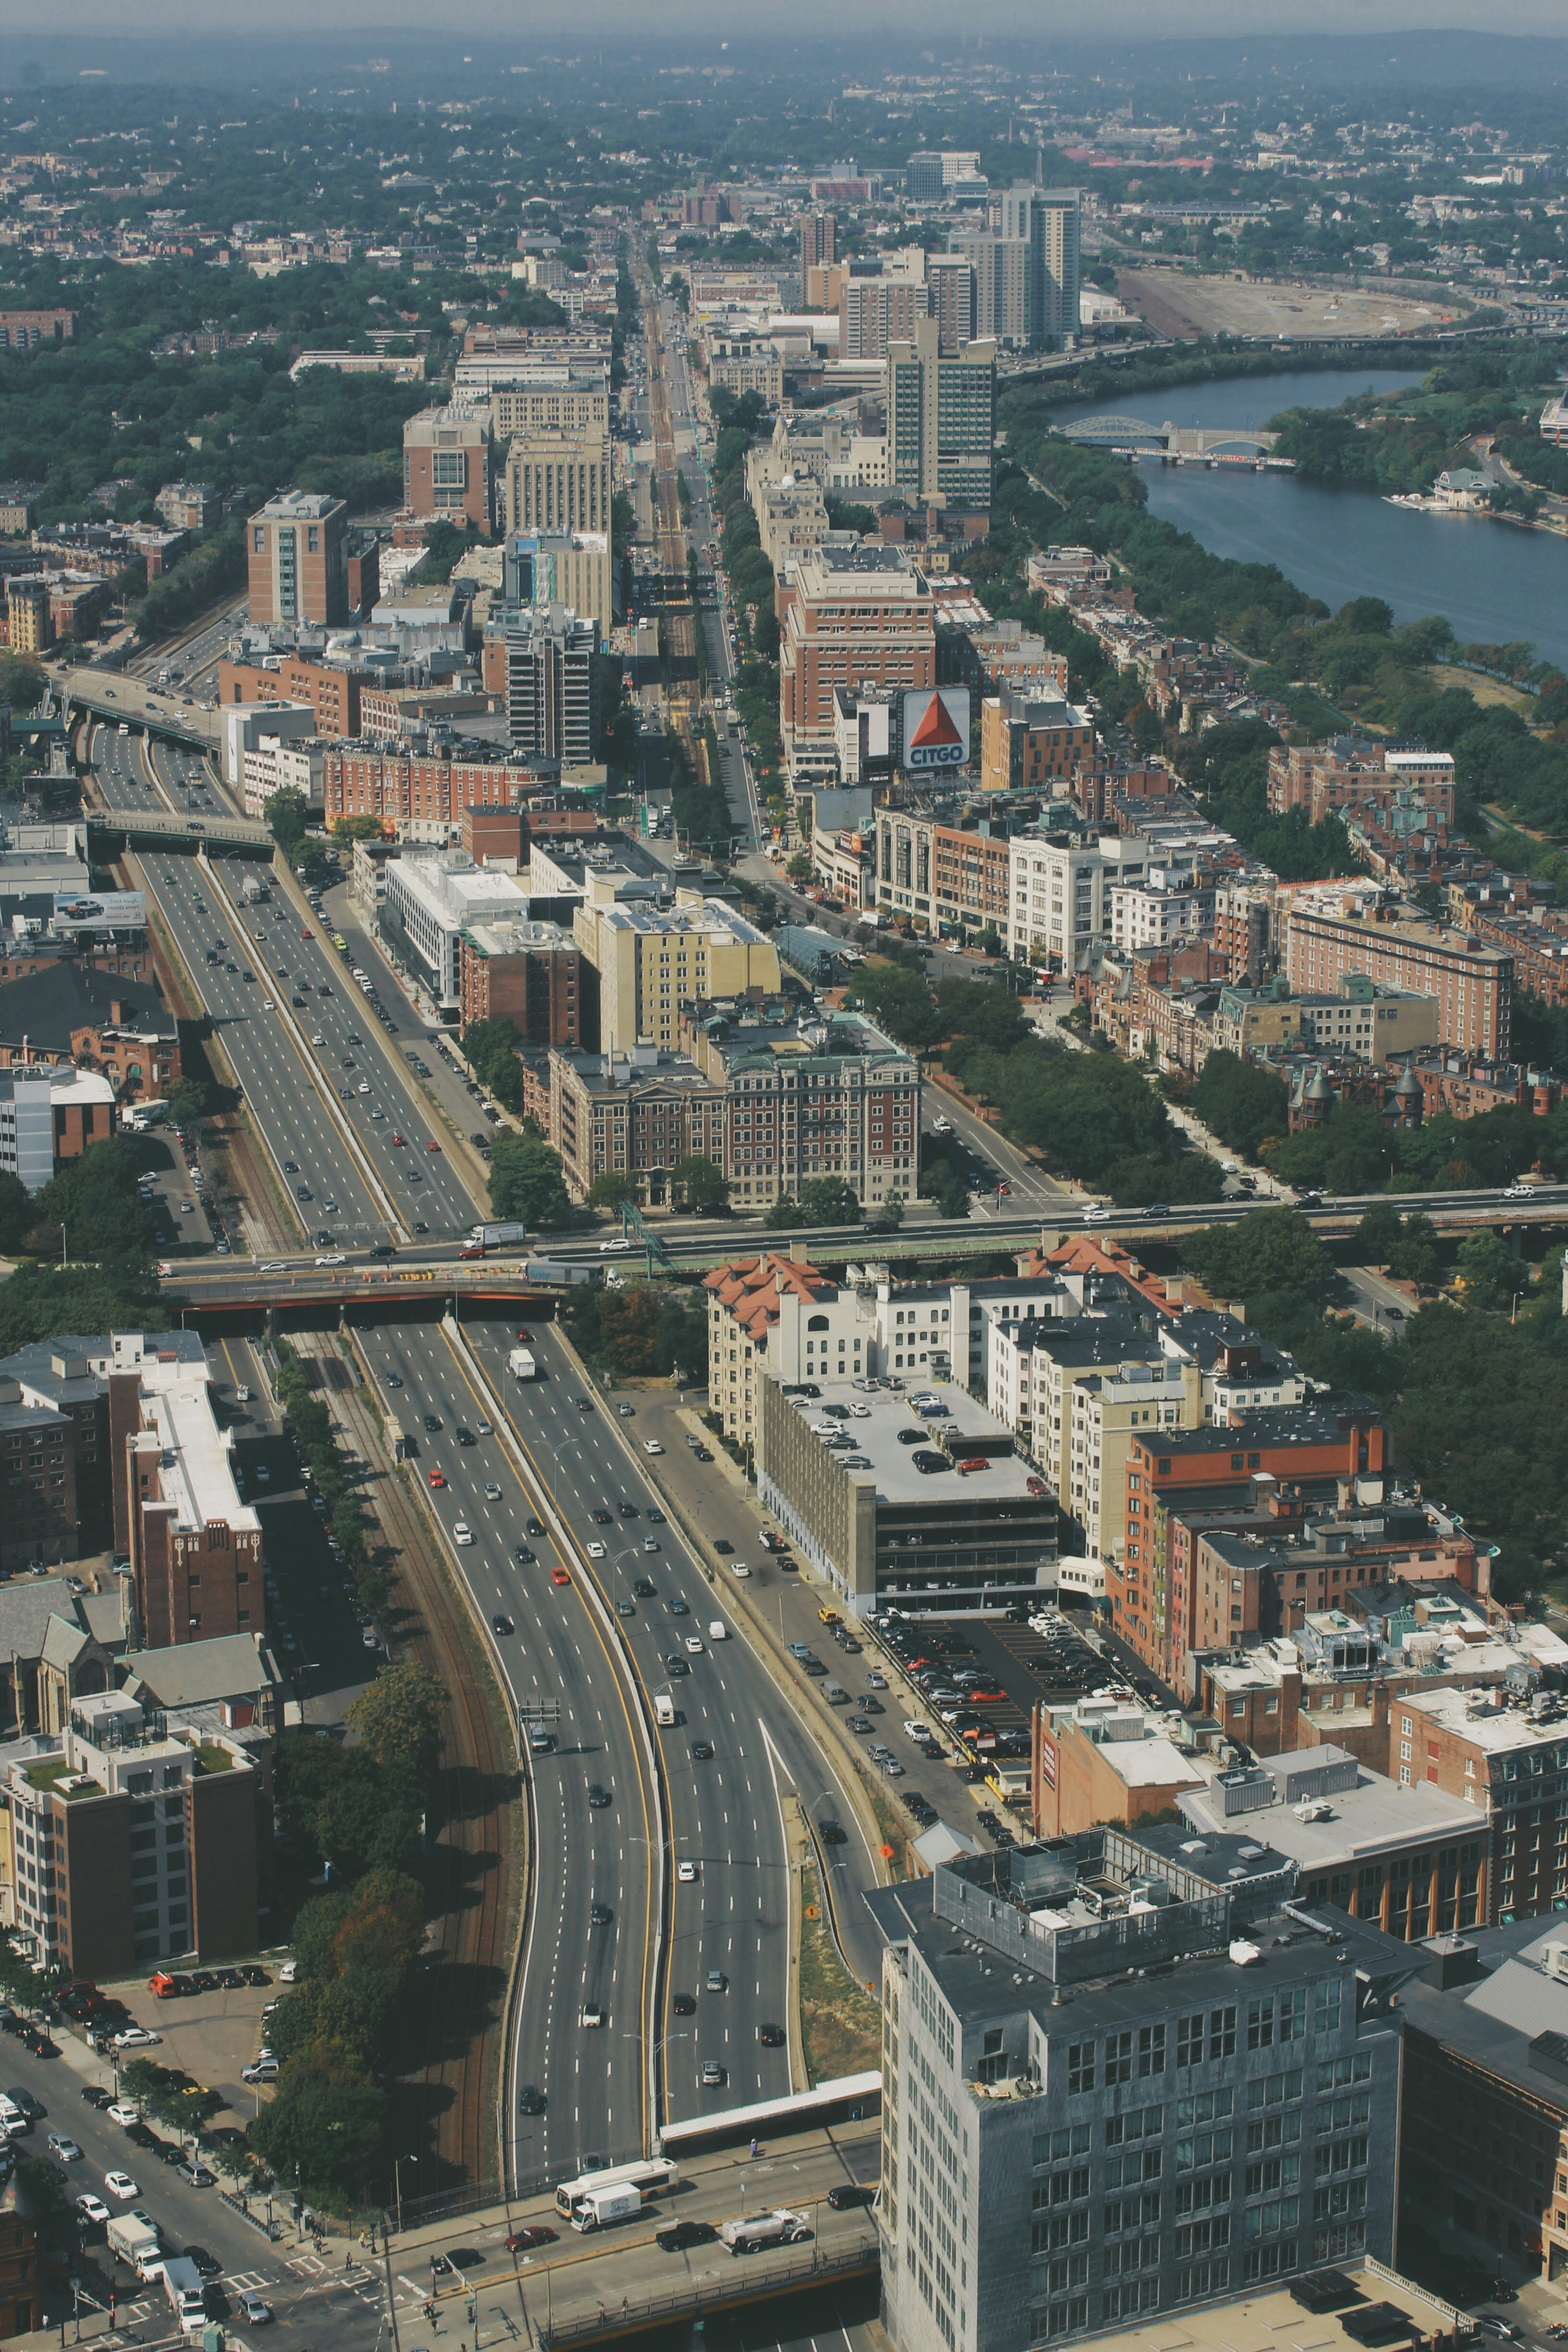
x,y
209,2035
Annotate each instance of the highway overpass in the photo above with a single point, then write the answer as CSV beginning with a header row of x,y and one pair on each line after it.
x,y
220,835
120,695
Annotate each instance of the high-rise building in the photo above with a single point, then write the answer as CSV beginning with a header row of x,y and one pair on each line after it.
x,y
950,279
1003,298
649,960
853,616
818,241
942,418
553,684
561,568
447,465
1048,220
875,312
558,479
923,177
297,552
1123,2074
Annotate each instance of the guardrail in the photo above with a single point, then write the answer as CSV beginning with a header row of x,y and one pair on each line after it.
x,y
708,2296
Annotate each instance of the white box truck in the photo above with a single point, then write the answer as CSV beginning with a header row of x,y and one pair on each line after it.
x,y
753,2230
135,2243
183,2285
663,1707
521,1364
600,2207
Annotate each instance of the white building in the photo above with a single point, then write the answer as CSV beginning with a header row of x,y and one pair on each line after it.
x,y
277,765
1159,912
431,898
1058,897
246,723
28,1101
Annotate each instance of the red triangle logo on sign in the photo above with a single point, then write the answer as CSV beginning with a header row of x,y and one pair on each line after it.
x,y
936,729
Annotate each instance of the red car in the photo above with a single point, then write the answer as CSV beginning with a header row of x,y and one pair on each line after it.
x,y
975,1462
434,1146
437,1478
559,1576
520,2241
525,1335
397,1139
989,1697
304,934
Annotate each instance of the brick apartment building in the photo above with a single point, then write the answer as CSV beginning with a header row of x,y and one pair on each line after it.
x,y
332,694
297,551
448,465
1353,771
527,972
1490,1749
1158,1602
1028,742
636,1114
849,616
1473,983
407,783
195,1547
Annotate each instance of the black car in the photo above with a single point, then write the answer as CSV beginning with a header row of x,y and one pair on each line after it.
x,y
536,1527
655,1518
530,2099
701,1751
682,2234
31,2107
207,2264
683,2004
850,2193
170,2151
598,1795
524,1555
772,2037
832,1832
432,1422
628,1511
584,1404
502,1625
721,1547
465,1436
600,1915
676,1665
645,1588
96,2095
601,1519
255,1976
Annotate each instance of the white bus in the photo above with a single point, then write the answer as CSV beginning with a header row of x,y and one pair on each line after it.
x,y
652,2176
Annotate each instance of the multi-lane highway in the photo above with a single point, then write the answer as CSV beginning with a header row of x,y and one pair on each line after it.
x,y
595,1649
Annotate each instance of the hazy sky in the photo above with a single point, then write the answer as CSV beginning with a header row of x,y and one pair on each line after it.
x,y
1068,19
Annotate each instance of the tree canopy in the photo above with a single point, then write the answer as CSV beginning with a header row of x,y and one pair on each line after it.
x,y
526,1182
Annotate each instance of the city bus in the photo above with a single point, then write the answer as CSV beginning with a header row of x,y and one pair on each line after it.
x,y
652,2176
848,2098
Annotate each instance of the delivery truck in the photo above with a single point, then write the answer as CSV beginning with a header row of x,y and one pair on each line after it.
x,y
663,1707
557,1269
135,2243
183,2285
521,1364
599,2207
500,1236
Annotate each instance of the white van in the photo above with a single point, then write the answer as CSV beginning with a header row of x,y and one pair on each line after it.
x,y
716,1632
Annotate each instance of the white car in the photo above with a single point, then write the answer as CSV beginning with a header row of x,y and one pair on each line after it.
x,y
651,1445
694,1645
686,1872
462,1533
595,1551
124,2113
136,2037
92,2208
120,2185
621,1242
1097,1213
274,1265
288,1972
739,1568
1518,1191
492,1493
941,1126
333,1257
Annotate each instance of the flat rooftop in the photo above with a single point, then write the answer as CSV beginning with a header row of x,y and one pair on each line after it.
x,y
873,1423
1271,2319
1376,1817
1493,1725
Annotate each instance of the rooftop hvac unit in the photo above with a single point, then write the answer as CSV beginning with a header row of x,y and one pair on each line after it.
x,y
1554,1960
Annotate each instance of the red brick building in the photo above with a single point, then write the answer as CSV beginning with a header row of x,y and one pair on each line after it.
x,y
530,974
195,1547
332,694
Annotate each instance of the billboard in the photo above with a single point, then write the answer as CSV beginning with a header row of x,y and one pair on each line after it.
x,y
936,730
100,911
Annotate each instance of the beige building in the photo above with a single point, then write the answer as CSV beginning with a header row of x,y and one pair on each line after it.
x,y
649,959
559,481
791,517
27,615
564,396
297,549
1472,983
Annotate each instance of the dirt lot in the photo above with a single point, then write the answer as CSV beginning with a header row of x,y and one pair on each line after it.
x,y
1269,308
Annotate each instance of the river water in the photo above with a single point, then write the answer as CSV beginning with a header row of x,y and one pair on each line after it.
x,y
1493,581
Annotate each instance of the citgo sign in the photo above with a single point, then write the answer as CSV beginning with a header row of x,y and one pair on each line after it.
x,y
936,729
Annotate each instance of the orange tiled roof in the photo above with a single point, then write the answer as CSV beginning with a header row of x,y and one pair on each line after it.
x,y
750,1288
1082,1253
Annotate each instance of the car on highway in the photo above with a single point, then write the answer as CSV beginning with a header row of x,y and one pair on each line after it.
x,y
595,1551
602,1519
716,1981
849,2193
650,1543
600,1915
559,1576
694,1645
1518,1191
437,1478
537,2233
1097,1213
686,1873
530,2099
598,1795
711,2077
682,2234
463,1534
525,1558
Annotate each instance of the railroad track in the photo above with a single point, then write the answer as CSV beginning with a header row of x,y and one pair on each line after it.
x,y
454,2054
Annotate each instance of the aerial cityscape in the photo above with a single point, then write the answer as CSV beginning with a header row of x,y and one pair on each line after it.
x,y
783,1181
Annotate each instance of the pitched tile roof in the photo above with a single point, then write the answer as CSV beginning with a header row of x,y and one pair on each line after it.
x,y
750,1288
1083,1253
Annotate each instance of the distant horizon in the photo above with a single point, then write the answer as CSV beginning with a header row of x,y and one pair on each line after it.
x,y
838,25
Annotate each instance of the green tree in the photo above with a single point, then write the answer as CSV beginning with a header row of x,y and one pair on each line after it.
x,y
398,1718
783,1215
286,814
1271,1250
21,682
611,1186
1242,1104
890,1215
1488,1269
325,2123
983,1012
702,1185
95,1199
1380,1235
192,1101
526,1182
347,829
1419,1259
829,1201
899,1000
17,1215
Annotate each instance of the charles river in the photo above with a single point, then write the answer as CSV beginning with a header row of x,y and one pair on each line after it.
x,y
1493,581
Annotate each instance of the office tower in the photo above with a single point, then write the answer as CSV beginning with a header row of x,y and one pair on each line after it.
x,y
1003,301
923,177
297,552
1047,219
447,465
856,617
950,277
818,241
562,568
941,419
1124,2074
874,313
558,479
553,685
